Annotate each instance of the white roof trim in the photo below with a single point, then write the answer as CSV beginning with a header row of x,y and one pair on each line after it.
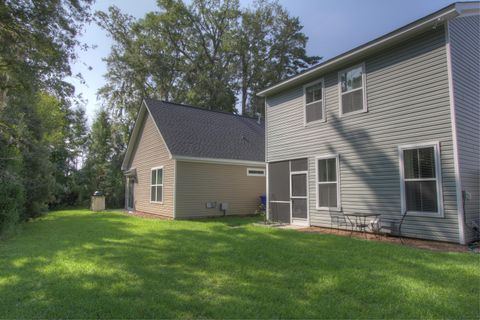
x,y
444,14
133,137
220,161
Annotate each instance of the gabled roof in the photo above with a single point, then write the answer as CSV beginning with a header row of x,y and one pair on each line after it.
x,y
430,21
194,133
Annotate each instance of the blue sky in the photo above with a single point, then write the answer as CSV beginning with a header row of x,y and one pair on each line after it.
x,y
333,26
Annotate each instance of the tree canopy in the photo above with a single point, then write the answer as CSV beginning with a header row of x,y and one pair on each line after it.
x,y
38,40
206,53
209,53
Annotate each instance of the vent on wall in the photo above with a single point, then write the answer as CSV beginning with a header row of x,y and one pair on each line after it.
x,y
210,205
255,172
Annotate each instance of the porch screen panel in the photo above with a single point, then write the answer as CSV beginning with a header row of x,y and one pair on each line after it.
x,y
280,212
279,181
299,208
299,165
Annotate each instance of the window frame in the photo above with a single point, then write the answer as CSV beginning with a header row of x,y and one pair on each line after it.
x,y
438,179
324,115
338,182
363,87
255,174
156,185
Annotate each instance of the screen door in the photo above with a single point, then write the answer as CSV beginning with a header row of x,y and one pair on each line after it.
x,y
298,195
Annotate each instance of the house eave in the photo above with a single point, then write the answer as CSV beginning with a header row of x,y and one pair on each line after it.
x,y
133,138
220,161
431,21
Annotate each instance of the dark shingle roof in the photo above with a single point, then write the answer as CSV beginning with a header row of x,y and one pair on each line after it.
x,y
193,132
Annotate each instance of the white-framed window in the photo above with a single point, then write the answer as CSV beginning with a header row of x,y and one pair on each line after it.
x,y
328,182
156,185
352,90
314,101
256,172
420,179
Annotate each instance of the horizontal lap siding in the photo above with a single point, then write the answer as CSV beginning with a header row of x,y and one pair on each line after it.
x,y
199,183
408,102
465,53
151,152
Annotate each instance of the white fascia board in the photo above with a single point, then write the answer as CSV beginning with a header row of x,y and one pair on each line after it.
x,y
159,132
220,161
133,137
364,49
136,129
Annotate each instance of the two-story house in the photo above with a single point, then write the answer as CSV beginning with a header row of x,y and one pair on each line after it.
x,y
389,127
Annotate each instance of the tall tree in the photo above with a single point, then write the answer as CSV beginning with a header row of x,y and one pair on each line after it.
x,y
205,53
37,43
103,160
271,47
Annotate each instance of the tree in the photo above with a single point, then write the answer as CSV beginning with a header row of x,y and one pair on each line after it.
x,y
37,44
103,161
271,48
204,54
64,134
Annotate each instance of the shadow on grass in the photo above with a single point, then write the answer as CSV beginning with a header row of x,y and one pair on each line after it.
x,y
112,266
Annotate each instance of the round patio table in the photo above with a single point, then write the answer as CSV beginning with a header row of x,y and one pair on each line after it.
x,y
358,220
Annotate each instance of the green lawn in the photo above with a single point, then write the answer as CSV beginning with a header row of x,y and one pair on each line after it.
x,y
78,264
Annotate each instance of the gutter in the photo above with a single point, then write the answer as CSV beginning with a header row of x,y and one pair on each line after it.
x,y
437,18
220,161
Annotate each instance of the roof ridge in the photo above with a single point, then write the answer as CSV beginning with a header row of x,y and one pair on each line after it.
x,y
202,109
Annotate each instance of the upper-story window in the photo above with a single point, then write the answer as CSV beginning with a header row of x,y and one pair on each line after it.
x,y
314,102
352,90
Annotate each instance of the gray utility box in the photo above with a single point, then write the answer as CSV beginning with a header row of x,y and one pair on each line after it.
x,y
98,202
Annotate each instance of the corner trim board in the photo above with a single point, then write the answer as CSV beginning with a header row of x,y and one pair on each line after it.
x,y
456,163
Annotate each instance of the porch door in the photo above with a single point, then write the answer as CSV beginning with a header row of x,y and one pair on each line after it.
x,y
129,198
279,194
298,197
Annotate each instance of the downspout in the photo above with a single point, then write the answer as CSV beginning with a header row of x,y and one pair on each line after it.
x,y
267,204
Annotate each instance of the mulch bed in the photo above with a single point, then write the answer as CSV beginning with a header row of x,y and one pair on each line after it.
x,y
416,243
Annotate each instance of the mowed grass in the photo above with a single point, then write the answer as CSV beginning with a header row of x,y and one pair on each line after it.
x,y
79,264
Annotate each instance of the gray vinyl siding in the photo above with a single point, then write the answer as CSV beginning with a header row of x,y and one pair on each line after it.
x,y
408,103
465,55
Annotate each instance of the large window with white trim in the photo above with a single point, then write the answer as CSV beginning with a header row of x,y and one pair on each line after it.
x,y
156,185
421,179
314,102
328,187
352,90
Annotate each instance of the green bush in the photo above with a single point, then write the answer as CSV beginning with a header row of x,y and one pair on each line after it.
x,y
12,201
